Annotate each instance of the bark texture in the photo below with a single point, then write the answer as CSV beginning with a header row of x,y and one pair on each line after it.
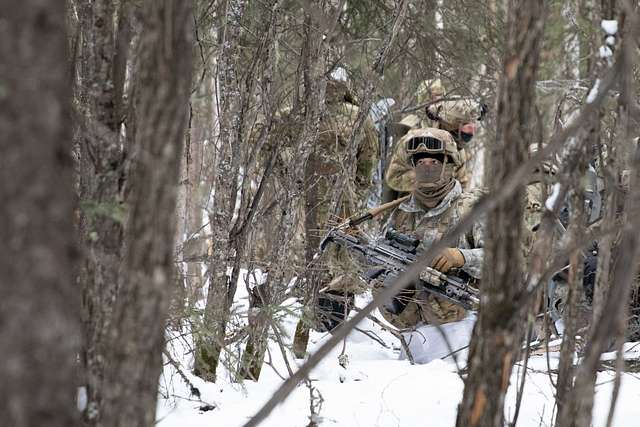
x,y
610,320
163,87
497,333
99,91
39,302
222,286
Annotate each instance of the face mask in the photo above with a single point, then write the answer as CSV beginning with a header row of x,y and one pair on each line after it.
x,y
466,137
433,182
428,174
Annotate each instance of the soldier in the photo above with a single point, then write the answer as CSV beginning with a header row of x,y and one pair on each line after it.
x,y
428,91
436,205
436,327
332,151
331,182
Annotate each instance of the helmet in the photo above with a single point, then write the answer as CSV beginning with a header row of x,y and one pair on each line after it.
x,y
453,113
423,141
429,90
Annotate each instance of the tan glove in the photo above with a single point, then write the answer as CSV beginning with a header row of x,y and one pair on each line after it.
x,y
448,259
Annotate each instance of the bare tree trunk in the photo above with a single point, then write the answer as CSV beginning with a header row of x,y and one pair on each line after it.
x,y
40,308
314,62
612,318
576,271
102,162
497,334
571,41
195,201
221,286
264,296
164,83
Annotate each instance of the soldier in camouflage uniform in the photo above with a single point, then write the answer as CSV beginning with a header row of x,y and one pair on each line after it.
x,y
428,91
436,205
328,159
331,184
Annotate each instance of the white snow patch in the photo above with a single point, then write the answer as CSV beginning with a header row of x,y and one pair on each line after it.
x,y
630,351
610,40
559,324
373,389
610,26
605,52
438,15
81,399
339,74
553,198
593,92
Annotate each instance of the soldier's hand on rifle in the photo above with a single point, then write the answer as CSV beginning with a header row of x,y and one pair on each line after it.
x,y
447,259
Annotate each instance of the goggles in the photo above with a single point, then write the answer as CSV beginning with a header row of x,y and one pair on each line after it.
x,y
425,144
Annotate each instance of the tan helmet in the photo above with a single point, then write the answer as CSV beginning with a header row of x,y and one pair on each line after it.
x,y
430,140
453,113
429,90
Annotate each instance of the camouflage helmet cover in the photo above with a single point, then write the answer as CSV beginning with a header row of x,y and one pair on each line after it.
x,y
449,146
453,113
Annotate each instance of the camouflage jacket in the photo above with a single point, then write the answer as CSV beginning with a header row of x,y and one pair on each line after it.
x,y
430,225
333,150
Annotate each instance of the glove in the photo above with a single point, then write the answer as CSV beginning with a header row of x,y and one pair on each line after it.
x,y
448,259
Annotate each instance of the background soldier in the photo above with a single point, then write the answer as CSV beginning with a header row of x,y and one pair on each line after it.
x,y
332,183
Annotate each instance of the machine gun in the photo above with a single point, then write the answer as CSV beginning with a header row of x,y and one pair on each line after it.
x,y
392,255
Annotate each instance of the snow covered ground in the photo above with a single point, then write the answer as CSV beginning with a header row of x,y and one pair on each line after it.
x,y
376,389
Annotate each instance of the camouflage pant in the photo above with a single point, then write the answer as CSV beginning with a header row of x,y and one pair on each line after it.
x,y
422,308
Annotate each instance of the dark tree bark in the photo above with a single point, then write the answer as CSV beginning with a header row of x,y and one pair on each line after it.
x,y
163,87
40,306
99,91
314,63
497,334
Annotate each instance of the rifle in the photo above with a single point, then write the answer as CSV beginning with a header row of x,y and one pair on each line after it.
x,y
393,254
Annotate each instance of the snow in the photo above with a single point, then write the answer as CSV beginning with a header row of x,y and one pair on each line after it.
x,y
593,93
630,350
339,74
605,52
375,388
610,40
380,109
81,399
553,198
609,26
